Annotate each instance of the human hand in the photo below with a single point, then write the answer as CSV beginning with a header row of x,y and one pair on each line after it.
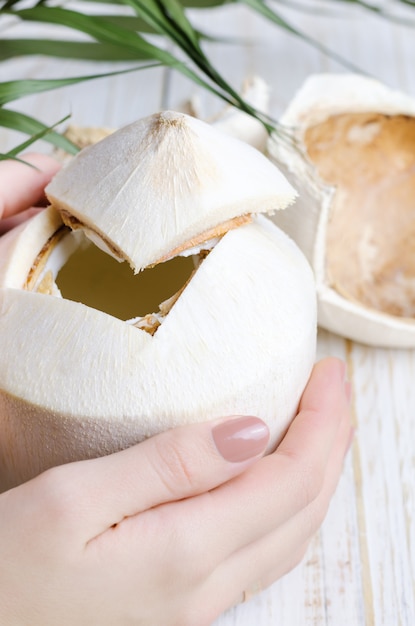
x,y
174,530
168,532
22,188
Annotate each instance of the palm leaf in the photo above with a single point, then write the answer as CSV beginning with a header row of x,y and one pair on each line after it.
x,y
82,50
29,126
15,89
25,144
190,4
118,38
172,24
169,19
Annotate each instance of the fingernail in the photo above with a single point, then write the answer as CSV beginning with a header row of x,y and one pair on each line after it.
x,y
240,438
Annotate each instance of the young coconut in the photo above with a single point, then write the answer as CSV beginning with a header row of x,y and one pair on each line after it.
x,y
83,378
354,167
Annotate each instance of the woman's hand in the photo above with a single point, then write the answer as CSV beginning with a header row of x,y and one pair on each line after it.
x,y
173,531
177,529
22,188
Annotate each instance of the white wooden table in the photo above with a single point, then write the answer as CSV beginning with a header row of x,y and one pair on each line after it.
x,y
360,568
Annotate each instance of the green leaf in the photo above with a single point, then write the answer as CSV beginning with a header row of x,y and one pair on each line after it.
x,y
110,33
99,29
40,135
130,22
194,4
28,125
168,16
117,38
173,11
15,89
82,50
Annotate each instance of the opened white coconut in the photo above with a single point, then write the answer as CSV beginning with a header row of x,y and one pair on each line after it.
x,y
86,368
353,163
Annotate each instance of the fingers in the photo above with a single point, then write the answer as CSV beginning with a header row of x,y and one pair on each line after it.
x,y
268,558
323,408
243,576
174,465
275,554
285,483
233,510
250,528
219,532
22,186
14,220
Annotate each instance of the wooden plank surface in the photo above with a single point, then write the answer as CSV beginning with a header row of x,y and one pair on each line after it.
x,y
360,568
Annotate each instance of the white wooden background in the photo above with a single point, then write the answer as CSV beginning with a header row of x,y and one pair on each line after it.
x,y
360,569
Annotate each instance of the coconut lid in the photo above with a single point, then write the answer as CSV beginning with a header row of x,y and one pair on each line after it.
x,y
159,183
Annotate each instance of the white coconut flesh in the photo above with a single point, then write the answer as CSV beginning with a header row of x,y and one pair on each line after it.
x,y
163,187
237,335
177,178
370,160
240,339
70,266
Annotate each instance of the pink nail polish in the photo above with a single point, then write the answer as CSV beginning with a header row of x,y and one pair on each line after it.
x,y
240,438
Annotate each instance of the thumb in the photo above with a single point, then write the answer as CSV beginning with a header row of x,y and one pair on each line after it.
x,y
179,463
22,186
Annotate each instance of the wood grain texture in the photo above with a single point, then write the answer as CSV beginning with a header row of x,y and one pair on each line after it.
x,y
360,568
